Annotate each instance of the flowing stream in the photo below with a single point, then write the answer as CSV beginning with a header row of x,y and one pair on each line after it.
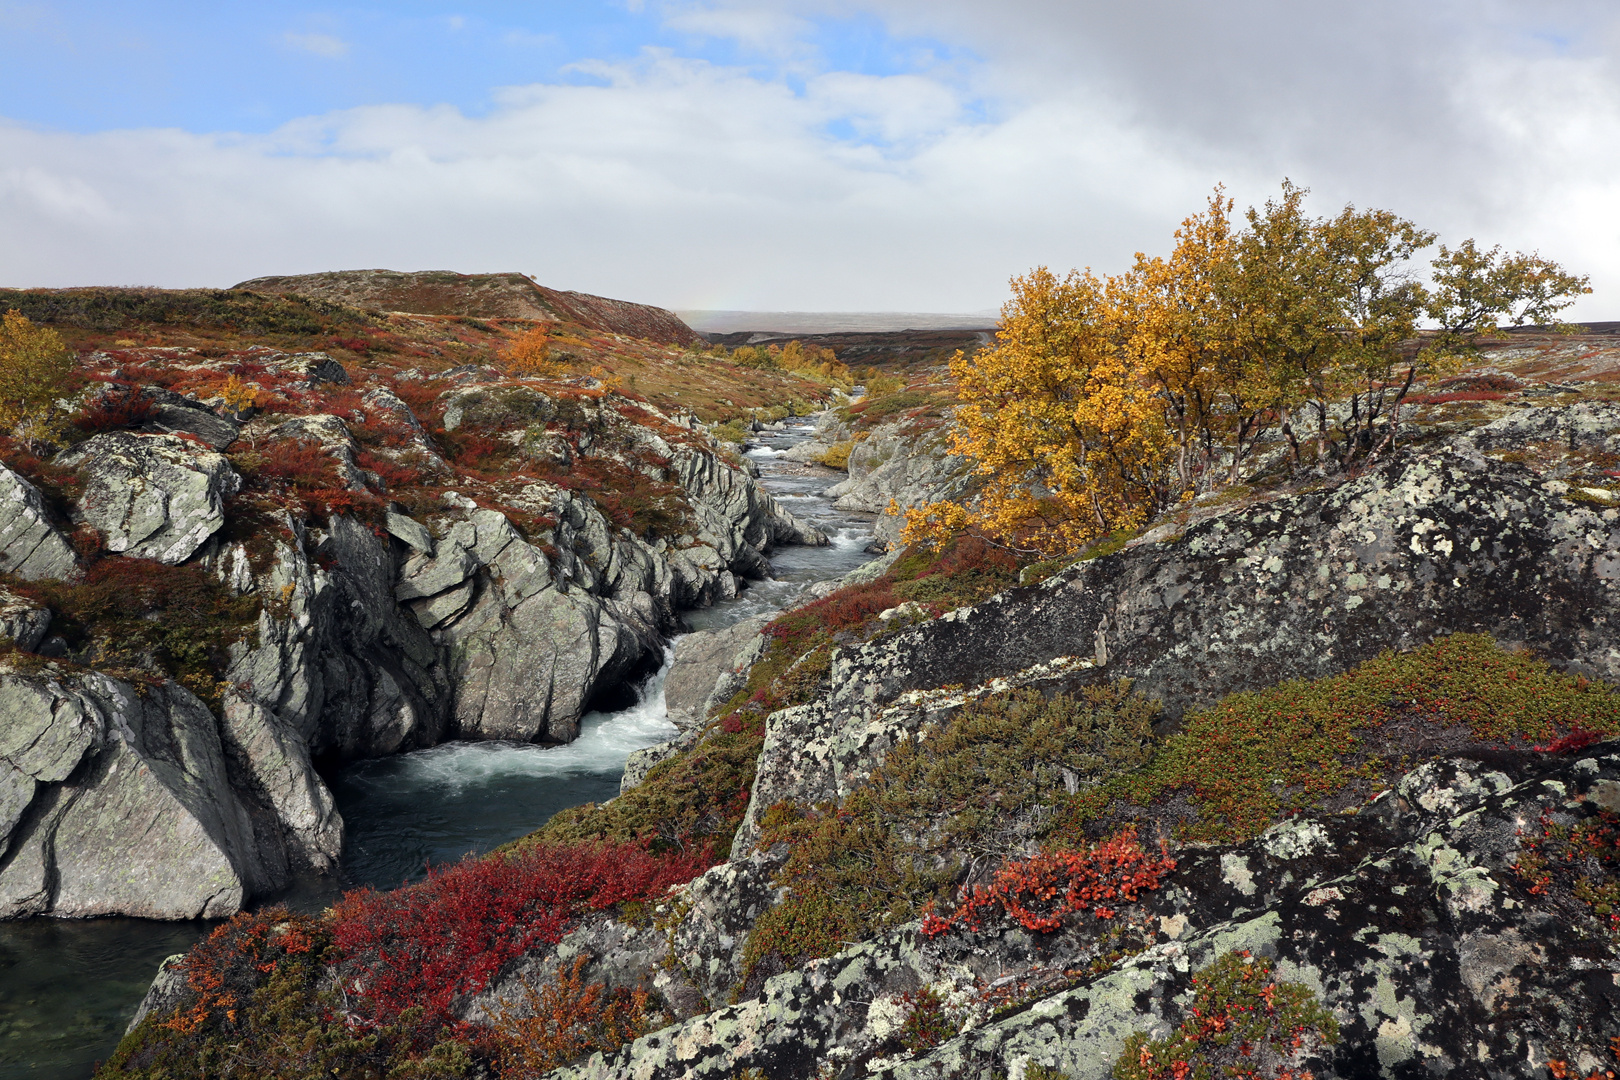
x,y
67,988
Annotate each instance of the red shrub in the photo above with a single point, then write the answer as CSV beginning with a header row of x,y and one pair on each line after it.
x,y
392,474
473,449
422,395
429,944
340,401
119,408
847,609
1039,892
225,968
1578,739
301,462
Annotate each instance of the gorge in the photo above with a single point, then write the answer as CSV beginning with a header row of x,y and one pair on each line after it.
x,y
1324,757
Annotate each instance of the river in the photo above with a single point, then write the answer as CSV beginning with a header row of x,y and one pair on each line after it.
x,y
67,988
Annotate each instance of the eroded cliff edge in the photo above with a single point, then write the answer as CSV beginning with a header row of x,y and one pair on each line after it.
x,y
373,576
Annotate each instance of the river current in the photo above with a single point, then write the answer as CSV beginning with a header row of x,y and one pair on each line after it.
x,y
67,988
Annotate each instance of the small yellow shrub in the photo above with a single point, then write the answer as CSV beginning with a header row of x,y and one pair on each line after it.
x,y
34,369
837,455
531,355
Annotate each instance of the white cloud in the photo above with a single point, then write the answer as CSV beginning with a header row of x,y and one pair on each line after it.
x,y
700,186
323,45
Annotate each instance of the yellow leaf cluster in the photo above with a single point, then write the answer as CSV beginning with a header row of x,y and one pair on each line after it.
x,y
1107,399
530,354
34,369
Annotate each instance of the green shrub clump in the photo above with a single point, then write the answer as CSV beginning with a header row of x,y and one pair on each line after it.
x,y
989,781
1255,758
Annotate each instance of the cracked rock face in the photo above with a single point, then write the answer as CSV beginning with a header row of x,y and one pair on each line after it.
x,y
1303,586
30,546
113,802
1406,919
152,496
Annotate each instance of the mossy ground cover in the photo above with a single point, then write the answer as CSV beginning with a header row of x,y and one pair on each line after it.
x,y
1255,758
141,619
956,799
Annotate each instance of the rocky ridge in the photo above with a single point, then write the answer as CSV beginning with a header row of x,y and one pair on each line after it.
x,y
1408,919
506,296
481,610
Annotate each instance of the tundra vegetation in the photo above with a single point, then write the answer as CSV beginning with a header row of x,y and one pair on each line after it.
x,y
1108,399
1281,342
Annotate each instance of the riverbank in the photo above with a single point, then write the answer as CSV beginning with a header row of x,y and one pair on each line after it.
x,y
67,988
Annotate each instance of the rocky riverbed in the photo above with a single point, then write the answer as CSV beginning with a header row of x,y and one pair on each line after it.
x,y
135,796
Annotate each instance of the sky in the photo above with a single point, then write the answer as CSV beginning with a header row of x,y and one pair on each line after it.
x,y
808,155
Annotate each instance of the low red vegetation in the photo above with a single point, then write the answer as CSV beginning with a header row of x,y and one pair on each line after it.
x,y
1455,395
421,395
1578,739
223,970
120,408
392,474
1041,891
846,609
429,944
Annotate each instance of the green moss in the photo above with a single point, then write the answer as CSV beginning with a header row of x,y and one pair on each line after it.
x,y
1255,758
987,782
137,617
694,798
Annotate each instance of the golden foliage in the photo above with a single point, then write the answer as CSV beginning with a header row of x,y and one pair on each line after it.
x,y
34,369
1059,421
530,354
239,397
1105,400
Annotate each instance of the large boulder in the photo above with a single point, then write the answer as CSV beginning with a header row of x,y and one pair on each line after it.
x,y
22,621
709,667
30,546
151,496
115,801
176,414
530,641
897,465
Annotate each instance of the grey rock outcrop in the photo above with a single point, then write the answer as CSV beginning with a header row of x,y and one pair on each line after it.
x,y
372,638
22,621
30,546
118,802
1407,919
896,465
1445,541
709,667
151,496
177,414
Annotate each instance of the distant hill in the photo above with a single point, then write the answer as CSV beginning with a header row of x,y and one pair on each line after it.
x,y
800,323
880,349
487,296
